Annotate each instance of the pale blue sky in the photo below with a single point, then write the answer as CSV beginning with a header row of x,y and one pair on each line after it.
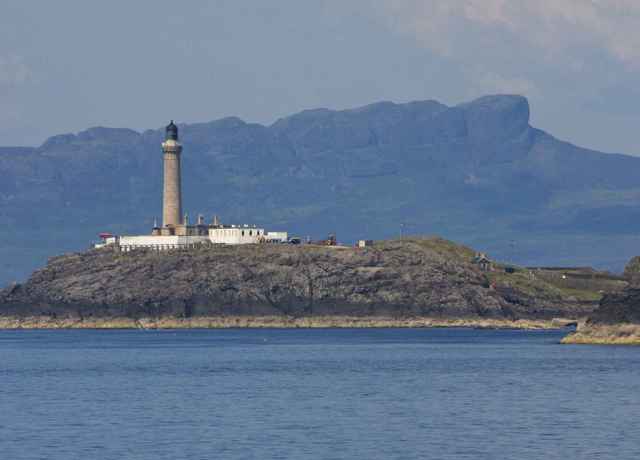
x,y
71,64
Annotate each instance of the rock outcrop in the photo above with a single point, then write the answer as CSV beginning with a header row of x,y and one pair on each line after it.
x,y
618,308
617,319
423,277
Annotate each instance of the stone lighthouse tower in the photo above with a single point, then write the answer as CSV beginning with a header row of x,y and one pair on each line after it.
x,y
172,193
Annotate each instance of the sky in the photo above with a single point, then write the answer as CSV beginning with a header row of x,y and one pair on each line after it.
x,y
69,65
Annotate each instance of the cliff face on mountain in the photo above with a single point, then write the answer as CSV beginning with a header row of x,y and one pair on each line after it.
x,y
476,172
426,277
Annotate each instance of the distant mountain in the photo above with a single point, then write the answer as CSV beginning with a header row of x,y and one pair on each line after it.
x,y
477,173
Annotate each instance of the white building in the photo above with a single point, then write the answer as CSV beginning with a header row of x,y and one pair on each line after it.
x,y
106,240
228,234
158,243
235,234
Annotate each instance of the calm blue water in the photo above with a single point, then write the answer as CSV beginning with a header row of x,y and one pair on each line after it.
x,y
315,394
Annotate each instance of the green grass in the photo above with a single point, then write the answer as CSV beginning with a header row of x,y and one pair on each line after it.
x,y
527,282
436,244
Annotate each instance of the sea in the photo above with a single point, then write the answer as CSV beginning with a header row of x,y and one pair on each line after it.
x,y
315,394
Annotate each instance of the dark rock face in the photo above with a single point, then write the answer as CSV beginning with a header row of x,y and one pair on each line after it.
x,y
621,307
632,270
496,119
419,277
477,173
618,308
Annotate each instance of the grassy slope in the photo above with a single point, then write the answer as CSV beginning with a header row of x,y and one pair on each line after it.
x,y
533,282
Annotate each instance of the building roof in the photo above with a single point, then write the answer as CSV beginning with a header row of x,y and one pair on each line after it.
x,y
171,131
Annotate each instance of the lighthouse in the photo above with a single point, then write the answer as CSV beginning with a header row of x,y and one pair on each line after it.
x,y
172,192
176,232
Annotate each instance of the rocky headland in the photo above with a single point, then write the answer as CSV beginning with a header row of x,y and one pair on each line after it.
x,y
418,282
617,320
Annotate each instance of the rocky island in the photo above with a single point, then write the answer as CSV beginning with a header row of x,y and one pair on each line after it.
x,y
184,274
413,282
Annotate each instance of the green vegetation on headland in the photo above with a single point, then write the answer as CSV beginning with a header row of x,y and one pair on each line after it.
x,y
414,282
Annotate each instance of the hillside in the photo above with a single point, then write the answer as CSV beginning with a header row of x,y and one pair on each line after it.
x,y
476,173
425,277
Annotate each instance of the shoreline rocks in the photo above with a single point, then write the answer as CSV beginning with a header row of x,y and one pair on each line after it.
x,y
276,322
614,334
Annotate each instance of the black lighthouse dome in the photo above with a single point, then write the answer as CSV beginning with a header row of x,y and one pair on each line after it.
x,y
171,131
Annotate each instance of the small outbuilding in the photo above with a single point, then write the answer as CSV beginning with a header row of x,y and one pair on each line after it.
x,y
482,261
